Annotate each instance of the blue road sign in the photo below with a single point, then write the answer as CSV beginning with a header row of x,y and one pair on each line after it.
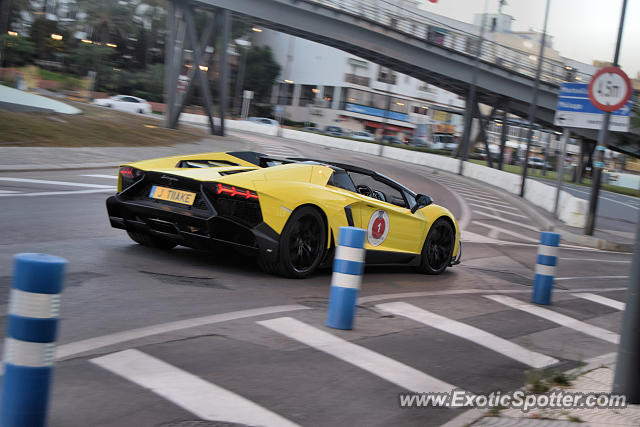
x,y
576,110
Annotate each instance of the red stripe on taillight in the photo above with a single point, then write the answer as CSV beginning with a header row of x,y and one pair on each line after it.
x,y
128,172
236,192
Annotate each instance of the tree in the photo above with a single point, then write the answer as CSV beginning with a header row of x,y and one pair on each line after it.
x,y
5,8
18,51
261,72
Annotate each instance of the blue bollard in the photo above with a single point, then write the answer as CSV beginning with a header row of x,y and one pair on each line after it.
x,y
32,324
545,268
348,264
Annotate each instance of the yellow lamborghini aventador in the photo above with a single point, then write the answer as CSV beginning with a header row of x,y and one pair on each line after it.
x,y
286,212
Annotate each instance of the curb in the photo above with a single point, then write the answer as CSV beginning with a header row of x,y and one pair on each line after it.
x,y
593,242
469,417
542,220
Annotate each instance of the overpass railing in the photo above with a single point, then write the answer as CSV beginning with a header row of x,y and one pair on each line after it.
x,y
394,16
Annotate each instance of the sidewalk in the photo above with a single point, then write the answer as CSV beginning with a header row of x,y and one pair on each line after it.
x,y
594,378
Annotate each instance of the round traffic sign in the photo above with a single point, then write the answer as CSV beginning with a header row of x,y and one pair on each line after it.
x,y
609,89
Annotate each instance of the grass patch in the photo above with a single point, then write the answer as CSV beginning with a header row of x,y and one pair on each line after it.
x,y
541,381
96,127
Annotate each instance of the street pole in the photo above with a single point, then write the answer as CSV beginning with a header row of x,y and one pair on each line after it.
x,y
626,380
596,173
563,154
470,102
534,102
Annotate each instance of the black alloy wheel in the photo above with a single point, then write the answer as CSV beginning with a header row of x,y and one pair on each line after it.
x,y
302,244
438,247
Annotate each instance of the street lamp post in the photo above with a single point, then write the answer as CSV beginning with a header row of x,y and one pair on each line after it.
x,y
534,102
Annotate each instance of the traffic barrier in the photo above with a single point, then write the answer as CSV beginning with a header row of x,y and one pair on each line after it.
x,y
32,325
545,268
348,265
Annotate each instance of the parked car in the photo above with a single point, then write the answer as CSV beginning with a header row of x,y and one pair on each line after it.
x,y
363,136
263,121
417,142
538,163
311,129
389,139
126,103
443,141
334,131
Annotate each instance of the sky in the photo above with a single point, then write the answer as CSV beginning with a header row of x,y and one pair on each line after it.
x,y
584,30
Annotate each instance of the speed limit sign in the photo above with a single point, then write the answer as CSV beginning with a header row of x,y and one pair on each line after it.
x,y
609,89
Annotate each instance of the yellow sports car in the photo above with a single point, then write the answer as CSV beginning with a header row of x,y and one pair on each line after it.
x,y
286,212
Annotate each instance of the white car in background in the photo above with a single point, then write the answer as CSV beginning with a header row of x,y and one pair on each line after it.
x,y
126,103
362,136
263,121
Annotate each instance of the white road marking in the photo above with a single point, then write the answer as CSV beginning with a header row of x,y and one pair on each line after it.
x,y
590,277
505,231
102,176
601,300
8,192
473,334
47,182
508,221
64,193
597,260
481,194
488,202
405,295
203,399
91,344
375,363
560,319
495,211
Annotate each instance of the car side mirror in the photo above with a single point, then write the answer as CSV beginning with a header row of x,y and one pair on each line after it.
x,y
421,202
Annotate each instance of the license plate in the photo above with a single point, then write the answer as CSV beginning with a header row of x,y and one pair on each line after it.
x,y
171,195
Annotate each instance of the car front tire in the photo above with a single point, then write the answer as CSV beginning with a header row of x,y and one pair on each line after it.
x,y
438,248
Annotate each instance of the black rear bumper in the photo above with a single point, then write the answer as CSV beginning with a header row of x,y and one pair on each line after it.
x,y
199,230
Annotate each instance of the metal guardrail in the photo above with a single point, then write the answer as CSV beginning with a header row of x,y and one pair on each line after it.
x,y
394,16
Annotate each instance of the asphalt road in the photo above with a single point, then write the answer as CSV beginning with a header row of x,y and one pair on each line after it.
x,y
616,214
180,337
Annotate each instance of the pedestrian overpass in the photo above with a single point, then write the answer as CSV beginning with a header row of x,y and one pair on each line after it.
x,y
393,36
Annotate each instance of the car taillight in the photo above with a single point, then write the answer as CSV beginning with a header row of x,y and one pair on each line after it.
x,y
128,176
232,191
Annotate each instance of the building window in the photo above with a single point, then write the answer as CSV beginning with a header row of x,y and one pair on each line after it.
x,y
327,95
307,95
420,110
285,94
385,75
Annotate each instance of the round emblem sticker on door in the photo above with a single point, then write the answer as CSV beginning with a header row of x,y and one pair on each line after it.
x,y
378,228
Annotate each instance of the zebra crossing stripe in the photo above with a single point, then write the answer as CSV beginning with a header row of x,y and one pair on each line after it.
x,y
203,399
601,300
361,357
473,334
560,319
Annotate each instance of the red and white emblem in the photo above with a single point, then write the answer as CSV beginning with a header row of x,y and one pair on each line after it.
x,y
378,228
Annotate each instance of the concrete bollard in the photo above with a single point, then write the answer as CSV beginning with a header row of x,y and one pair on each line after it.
x,y
545,268
32,324
348,265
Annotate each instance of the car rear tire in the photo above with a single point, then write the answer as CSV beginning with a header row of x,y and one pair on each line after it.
x,y
302,245
150,241
438,247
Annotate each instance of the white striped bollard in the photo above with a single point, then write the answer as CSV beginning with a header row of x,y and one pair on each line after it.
x,y
545,268
348,265
29,350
